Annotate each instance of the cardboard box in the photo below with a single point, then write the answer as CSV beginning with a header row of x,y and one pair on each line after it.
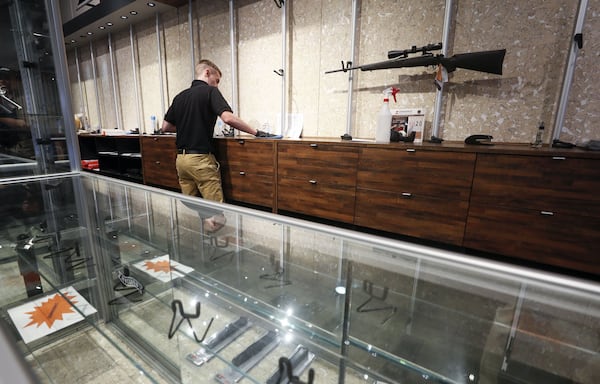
x,y
409,120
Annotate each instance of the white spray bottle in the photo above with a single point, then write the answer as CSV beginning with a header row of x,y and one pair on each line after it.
x,y
384,117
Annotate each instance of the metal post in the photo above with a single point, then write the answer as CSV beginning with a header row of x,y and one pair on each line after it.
x,y
346,325
93,60
160,66
62,83
437,112
349,114
135,81
234,66
116,98
568,78
284,73
192,47
83,106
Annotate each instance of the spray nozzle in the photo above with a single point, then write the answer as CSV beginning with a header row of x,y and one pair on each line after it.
x,y
391,91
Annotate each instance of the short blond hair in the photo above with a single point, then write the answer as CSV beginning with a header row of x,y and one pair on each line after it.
x,y
203,64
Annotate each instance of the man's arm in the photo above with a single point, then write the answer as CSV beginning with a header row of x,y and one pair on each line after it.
x,y
168,127
237,123
13,123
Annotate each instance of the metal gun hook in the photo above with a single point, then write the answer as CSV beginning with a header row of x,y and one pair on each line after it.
x,y
186,316
368,288
285,366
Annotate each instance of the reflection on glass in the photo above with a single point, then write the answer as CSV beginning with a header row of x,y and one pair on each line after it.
x,y
32,135
409,313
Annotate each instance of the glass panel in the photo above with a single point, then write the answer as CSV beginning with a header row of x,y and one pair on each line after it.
x,y
230,304
50,290
32,130
369,309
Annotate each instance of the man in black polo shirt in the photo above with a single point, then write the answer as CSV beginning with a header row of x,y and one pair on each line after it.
x,y
193,114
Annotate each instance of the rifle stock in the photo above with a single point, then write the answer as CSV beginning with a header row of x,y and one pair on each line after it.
x,y
484,61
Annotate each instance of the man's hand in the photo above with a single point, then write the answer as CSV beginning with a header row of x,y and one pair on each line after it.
x,y
14,123
263,134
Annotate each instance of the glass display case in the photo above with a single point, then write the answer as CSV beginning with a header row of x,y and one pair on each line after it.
x,y
268,297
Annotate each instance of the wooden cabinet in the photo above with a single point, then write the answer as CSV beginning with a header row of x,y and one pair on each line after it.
x,y
541,208
317,179
247,170
416,192
159,154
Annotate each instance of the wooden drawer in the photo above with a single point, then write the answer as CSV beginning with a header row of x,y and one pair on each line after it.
x,y
551,183
158,159
242,155
248,170
563,240
247,187
318,162
420,172
329,201
413,215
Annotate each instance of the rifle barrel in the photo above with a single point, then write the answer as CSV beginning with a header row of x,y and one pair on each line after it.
x,y
421,61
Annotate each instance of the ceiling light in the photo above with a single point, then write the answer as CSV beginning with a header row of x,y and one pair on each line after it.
x,y
102,27
90,33
124,17
133,13
110,24
151,4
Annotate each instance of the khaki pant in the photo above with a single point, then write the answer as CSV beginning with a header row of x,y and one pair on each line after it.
x,y
199,175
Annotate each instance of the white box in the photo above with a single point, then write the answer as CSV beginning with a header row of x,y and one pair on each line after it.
x,y
409,120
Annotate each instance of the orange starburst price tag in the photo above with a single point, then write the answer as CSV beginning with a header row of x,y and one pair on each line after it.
x,y
51,310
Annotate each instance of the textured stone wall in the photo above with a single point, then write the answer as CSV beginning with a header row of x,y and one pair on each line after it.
x,y
536,35
583,109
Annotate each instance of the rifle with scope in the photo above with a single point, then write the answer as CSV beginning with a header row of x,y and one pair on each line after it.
x,y
483,61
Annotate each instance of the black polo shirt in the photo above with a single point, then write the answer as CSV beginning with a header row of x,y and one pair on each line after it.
x,y
194,112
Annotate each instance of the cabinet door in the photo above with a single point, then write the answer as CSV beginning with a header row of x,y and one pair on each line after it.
x,y
317,179
247,187
158,157
559,239
325,163
412,215
247,170
433,173
256,156
310,197
87,147
550,183
414,192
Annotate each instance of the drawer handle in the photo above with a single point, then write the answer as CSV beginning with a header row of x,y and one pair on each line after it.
x,y
241,141
546,213
314,145
559,158
406,194
242,173
411,150
157,162
312,181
